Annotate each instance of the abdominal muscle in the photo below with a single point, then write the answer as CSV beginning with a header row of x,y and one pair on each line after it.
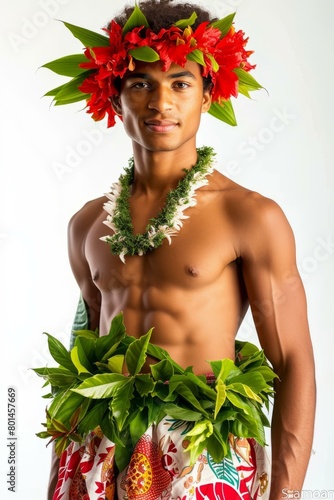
x,y
193,328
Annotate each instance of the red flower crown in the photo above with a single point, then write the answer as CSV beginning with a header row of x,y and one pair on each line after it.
x,y
217,47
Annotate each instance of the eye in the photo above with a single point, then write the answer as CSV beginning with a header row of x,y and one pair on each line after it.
x,y
181,85
140,85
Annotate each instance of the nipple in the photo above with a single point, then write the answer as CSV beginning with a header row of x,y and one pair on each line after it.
x,y
192,271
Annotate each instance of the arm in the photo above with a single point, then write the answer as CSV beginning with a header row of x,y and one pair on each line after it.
x,y
77,230
278,305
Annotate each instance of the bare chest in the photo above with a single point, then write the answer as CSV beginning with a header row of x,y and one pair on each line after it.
x,y
197,256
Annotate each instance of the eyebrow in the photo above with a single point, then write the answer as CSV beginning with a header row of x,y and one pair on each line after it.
x,y
172,76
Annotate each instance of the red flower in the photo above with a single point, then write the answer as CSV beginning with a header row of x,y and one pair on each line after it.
x,y
171,46
230,54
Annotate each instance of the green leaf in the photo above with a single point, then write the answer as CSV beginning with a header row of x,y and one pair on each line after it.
x,y
196,56
162,371
145,54
138,426
178,413
144,384
178,381
161,391
101,386
204,388
215,65
243,89
60,353
248,429
75,357
217,445
87,37
107,344
53,92
122,456
121,402
87,334
155,410
71,99
184,23
159,353
64,405
117,329
186,393
254,361
223,112
253,380
266,372
116,363
68,65
136,19
198,437
70,90
93,417
221,396
247,79
61,445
244,390
226,415
238,401
223,368
59,377
136,354
43,435
224,25
245,349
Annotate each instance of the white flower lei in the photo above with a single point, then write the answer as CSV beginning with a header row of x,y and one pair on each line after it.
x,y
167,223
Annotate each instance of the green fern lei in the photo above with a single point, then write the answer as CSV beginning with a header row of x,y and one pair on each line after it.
x,y
140,244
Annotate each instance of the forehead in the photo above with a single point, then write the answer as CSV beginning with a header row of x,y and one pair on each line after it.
x,y
154,71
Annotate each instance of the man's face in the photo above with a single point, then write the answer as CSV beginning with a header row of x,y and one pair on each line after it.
x,y
161,111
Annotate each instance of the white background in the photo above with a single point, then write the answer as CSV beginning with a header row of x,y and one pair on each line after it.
x,y
55,159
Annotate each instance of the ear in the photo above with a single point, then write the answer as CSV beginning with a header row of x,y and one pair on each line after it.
x,y
206,101
116,104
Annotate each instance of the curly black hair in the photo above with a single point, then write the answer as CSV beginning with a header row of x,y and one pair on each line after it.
x,y
164,13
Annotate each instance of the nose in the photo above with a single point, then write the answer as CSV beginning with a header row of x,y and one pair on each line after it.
x,y
161,99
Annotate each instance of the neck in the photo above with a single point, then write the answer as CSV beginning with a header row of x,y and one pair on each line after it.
x,y
158,171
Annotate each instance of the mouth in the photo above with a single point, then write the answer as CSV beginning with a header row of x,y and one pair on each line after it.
x,y
160,126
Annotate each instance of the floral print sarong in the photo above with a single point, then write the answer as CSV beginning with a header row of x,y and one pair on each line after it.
x,y
159,469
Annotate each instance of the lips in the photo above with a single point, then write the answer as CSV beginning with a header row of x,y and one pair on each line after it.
x,y
160,126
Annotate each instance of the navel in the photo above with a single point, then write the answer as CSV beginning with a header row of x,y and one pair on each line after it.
x,y
192,271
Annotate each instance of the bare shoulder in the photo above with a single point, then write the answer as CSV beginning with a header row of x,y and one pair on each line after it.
x,y
81,222
260,223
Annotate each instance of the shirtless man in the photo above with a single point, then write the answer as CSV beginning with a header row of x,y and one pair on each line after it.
x,y
235,250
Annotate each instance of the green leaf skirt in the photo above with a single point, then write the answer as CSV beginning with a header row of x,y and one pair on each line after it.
x,y
89,391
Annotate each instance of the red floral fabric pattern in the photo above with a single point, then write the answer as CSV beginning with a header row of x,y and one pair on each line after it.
x,y
159,469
